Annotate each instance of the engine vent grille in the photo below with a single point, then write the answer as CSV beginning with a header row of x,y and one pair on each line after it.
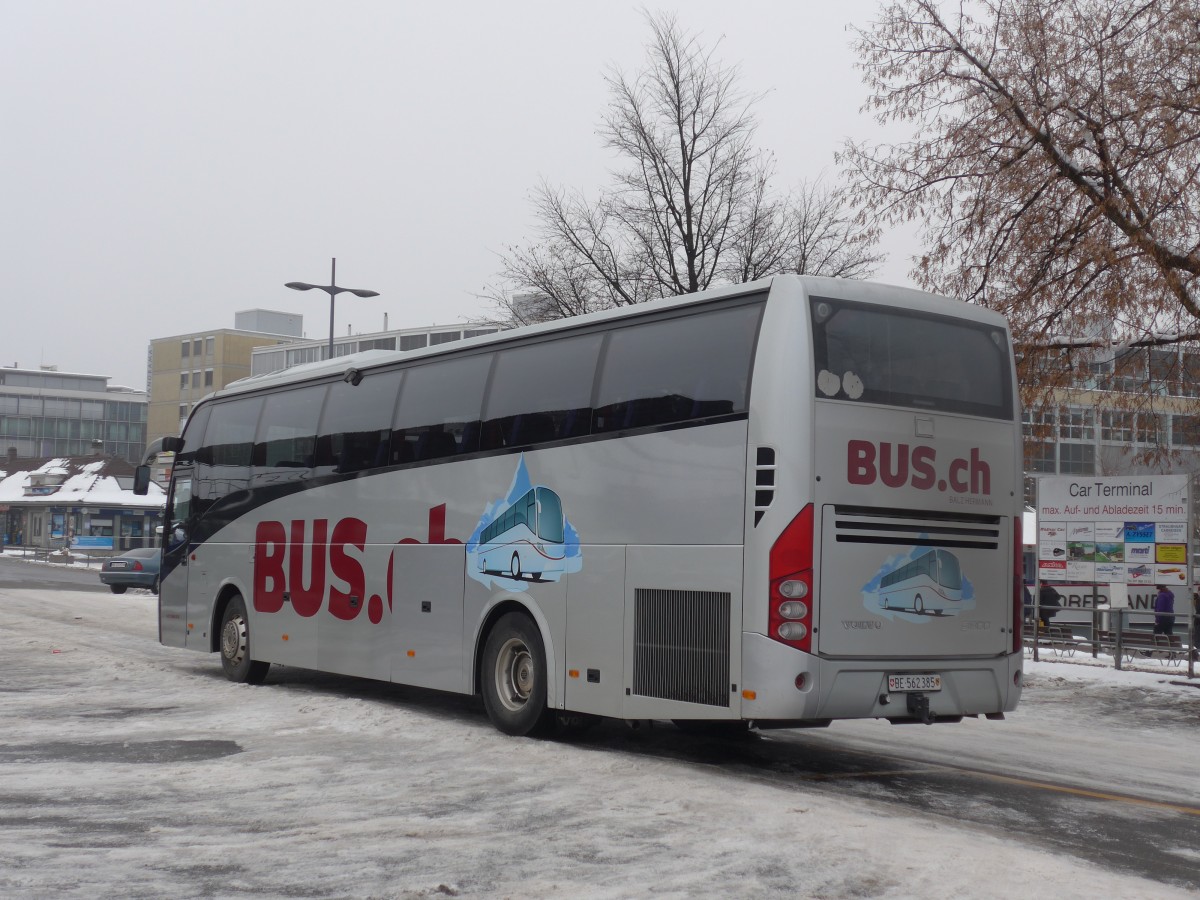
x,y
681,646
876,525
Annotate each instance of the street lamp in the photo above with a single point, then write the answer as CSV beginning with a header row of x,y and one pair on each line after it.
x,y
332,290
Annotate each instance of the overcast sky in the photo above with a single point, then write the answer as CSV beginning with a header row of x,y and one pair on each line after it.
x,y
166,164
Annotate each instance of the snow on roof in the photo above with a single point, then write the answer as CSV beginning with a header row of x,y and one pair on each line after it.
x,y
87,481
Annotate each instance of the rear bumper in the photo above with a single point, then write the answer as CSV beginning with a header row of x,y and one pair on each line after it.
x,y
857,689
129,579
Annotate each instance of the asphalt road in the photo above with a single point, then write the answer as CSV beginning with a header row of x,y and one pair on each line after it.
x,y
1150,829
17,573
1093,821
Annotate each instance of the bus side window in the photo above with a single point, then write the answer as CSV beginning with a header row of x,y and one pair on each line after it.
x,y
181,505
541,392
438,413
225,458
287,435
356,425
677,369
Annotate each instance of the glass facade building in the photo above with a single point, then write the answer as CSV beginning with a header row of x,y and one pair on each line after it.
x,y
1135,411
45,413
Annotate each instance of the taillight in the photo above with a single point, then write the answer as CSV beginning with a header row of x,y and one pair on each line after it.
x,y
137,566
1018,610
790,616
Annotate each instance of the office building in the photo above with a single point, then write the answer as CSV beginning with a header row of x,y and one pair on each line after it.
x,y
266,359
47,413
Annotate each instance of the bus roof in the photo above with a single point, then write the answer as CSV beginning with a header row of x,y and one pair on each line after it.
x,y
836,288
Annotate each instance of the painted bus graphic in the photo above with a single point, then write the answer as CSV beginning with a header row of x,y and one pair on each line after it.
x,y
931,584
526,541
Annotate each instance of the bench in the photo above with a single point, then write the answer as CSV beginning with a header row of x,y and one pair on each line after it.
x,y
1061,639
1167,647
1058,638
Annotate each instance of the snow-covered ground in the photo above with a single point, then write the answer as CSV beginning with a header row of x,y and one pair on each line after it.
x,y
134,770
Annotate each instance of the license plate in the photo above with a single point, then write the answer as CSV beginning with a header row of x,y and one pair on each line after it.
x,y
117,565
907,683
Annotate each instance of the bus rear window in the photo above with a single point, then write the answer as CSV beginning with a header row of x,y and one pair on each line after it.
x,y
897,357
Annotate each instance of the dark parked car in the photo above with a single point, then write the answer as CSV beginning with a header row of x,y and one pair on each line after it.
x,y
134,568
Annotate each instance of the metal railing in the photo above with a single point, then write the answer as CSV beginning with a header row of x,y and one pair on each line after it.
x,y
1123,633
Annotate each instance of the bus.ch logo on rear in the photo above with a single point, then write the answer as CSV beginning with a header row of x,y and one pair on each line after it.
x,y
921,584
899,465
523,537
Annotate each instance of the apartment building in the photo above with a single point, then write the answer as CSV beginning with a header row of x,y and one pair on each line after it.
x,y
183,368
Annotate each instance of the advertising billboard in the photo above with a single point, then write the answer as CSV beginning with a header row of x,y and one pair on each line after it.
x,y
1129,529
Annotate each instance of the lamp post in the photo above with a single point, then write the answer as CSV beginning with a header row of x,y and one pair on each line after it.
x,y
332,290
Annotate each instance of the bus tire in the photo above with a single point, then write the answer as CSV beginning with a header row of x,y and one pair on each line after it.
x,y
514,567
515,677
235,646
919,605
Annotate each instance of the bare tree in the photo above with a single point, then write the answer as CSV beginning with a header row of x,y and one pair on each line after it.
x,y
1053,166
690,207
824,239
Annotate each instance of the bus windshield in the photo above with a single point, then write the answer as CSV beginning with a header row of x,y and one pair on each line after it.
x,y
550,516
898,357
949,571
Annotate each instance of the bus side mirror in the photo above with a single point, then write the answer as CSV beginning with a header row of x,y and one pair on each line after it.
x,y
171,444
141,480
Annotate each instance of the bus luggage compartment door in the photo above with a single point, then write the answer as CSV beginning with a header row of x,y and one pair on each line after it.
x,y
896,583
427,629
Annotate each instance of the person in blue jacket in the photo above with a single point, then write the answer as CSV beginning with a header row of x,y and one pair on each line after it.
x,y
1164,611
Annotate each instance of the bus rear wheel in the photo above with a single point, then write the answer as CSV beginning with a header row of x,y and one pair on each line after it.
x,y
515,677
235,646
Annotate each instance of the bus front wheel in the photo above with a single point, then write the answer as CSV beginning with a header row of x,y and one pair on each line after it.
x,y
515,677
235,646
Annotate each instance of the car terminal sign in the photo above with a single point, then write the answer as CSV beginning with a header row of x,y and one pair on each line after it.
x,y
1131,529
